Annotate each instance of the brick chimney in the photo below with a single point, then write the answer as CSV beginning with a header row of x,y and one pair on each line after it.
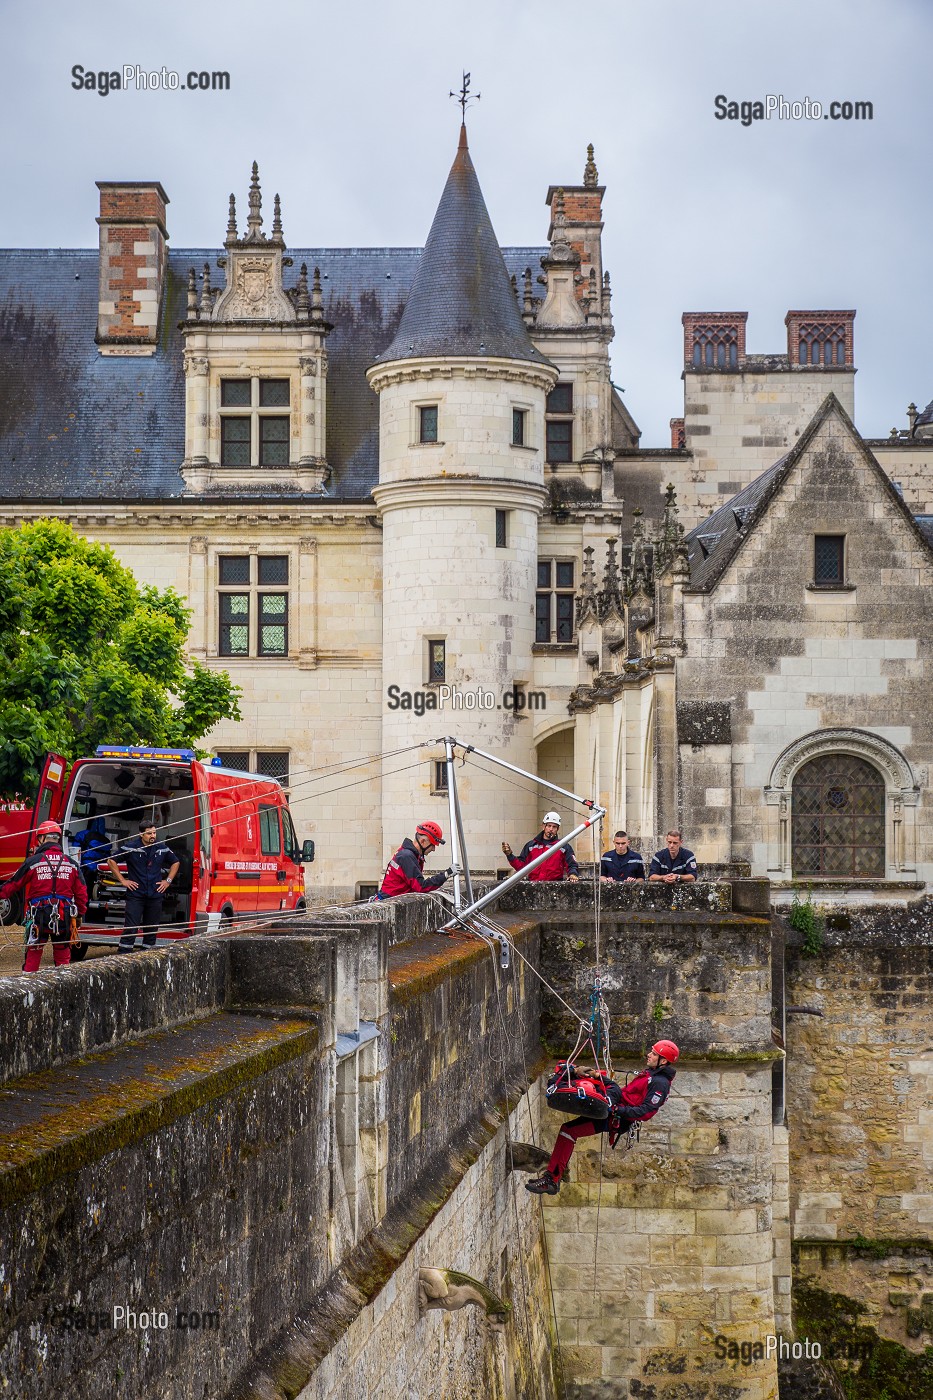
x,y
583,208
820,339
132,266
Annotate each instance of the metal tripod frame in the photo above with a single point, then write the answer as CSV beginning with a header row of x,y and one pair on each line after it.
x,y
461,871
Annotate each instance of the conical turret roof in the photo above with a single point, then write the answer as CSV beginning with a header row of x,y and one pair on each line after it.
x,y
461,302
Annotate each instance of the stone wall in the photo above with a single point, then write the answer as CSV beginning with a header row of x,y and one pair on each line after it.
x,y
860,1081
657,1253
489,1228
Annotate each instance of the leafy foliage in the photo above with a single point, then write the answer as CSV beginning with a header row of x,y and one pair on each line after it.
x,y
807,919
91,657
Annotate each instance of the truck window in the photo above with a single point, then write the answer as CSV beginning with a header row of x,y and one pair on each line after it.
x,y
269,838
291,840
204,823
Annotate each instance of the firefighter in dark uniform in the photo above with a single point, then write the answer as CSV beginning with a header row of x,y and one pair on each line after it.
x,y
673,864
638,1101
55,896
146,859
621,863
405,871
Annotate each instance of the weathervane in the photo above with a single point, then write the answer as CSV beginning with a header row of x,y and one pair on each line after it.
x,y
464,97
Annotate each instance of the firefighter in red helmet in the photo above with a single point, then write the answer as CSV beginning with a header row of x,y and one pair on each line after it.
x,y
638,1101
405,871
54,894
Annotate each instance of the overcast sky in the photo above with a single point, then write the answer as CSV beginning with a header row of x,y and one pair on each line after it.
x,y
345,107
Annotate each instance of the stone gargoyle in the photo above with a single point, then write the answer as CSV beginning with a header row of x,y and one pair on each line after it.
x,y
450,1290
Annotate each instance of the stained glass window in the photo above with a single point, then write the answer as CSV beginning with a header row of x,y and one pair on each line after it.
x,y
837,827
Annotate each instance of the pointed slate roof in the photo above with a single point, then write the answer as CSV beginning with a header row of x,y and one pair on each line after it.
x,y
715,542
462,302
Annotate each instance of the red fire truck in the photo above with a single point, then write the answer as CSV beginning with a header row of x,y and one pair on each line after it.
x,y
231,831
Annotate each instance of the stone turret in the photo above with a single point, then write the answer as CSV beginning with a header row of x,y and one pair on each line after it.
x,y
461,405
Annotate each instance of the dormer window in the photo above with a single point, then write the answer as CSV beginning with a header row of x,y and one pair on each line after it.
x,y
253,429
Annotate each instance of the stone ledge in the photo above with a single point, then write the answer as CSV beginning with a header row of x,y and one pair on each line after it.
x,y
57,1121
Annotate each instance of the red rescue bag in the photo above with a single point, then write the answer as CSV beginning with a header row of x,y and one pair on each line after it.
x,y
581,1095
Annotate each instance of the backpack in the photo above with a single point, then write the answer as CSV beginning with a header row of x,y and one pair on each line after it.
x,y
583,1095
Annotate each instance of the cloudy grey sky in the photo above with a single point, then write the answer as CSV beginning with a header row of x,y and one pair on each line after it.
x,y
345,107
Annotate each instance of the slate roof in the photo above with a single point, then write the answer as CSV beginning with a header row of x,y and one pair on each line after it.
x,y
77,425
714,543
462,301
925,417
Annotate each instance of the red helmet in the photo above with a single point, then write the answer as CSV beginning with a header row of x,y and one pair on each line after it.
x,y
666,1049
432,831
48,829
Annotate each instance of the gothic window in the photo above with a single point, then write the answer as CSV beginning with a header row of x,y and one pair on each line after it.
x,y
715,347
838,811
822,344
252,427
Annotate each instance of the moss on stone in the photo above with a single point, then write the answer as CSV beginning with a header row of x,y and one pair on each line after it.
x,y
869,1367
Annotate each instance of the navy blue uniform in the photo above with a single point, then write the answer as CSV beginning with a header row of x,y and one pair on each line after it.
x,y
147,865
618,867
663,863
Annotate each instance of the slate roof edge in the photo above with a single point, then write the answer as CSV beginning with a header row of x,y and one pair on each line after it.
x,y
92,502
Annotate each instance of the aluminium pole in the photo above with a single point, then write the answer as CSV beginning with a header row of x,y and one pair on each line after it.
x,y
454,827
494,893
467,880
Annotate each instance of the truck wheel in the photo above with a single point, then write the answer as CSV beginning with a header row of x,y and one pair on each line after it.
x,y
79,951
11,910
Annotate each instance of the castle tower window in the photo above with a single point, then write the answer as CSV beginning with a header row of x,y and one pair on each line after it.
x,y
502,529
437,661
427,423
519,416
554,601
559,424
838,815
829,555
250,429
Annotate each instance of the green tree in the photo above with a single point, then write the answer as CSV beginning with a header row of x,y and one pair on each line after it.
x,y
88,656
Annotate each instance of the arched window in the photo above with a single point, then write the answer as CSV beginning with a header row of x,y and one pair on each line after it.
x,y
838,818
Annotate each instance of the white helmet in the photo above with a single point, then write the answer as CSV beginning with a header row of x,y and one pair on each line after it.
x,y
551,817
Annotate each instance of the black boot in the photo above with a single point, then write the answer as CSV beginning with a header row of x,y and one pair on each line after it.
x,y
542,1185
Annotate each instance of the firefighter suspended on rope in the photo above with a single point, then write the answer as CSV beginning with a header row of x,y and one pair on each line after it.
x,y
55,896
603,1105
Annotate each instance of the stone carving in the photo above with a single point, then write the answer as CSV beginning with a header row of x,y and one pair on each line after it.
x,y
451,1291
526,1157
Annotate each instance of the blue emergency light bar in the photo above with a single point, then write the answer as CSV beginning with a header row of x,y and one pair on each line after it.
x,y
130,751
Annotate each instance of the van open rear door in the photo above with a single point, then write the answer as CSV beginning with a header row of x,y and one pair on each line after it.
x,y
50,797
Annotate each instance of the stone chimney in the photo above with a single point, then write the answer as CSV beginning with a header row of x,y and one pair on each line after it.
x,y
132,266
